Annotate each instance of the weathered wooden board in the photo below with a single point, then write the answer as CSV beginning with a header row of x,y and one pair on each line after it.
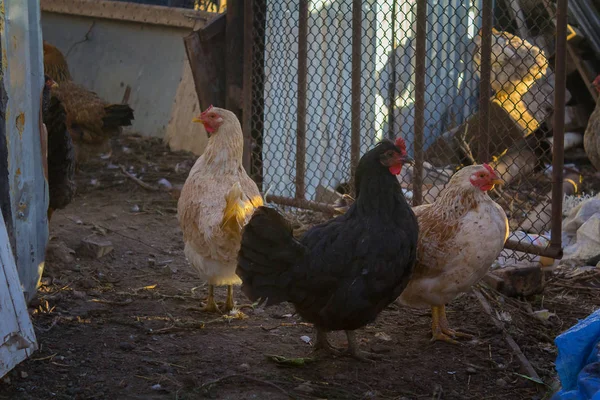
x,y
17,339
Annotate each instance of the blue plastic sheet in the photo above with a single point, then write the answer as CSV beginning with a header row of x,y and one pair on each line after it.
x,y
578,361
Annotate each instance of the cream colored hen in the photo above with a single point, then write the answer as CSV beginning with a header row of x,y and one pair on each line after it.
x,y
460,236
216,201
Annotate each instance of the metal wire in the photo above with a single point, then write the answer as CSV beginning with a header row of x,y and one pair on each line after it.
x,y
332,78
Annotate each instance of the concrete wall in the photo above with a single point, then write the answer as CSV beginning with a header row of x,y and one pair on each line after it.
x,y
108,50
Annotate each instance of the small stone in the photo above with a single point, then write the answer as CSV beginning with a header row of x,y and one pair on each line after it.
x,y
471,370
79,295
244,367
126,346
304,388
156,387
135,208
305,339
501,382
87,283
60,252
24,374
95,247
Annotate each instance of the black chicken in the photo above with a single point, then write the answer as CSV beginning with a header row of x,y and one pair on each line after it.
x,y
61,153
341,274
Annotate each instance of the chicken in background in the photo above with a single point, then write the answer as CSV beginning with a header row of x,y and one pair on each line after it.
x,y
341,274
460,235
91,120
591,138
60,150
216,201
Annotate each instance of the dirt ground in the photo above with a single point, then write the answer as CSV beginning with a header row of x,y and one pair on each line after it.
x,y
127,325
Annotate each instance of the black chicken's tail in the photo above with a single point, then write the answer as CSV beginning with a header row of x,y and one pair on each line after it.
x,y
117,115
61,156
268,257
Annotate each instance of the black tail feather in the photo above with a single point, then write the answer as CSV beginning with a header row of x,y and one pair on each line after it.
x,y
117,115
267,257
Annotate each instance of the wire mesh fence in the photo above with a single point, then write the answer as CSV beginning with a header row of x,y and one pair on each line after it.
x,y
332,78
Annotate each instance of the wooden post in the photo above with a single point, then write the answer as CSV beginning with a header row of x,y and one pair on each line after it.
x,y
205,49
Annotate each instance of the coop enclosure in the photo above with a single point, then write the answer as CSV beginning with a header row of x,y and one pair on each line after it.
x,y
462,82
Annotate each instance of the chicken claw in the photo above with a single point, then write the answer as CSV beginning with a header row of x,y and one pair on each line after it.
x,y
440,329
322,344
354,352
211,305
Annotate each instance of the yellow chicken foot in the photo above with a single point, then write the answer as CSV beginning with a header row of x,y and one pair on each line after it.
x,y
446,328
229,303
211,305
354,352
322,343
440,329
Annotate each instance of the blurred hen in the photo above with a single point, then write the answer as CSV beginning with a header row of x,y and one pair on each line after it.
x,y
91,120
60,150
216,201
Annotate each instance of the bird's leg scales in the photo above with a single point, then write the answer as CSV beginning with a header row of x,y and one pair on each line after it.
x,y
211,305
446,328
439,326
354,352
322,343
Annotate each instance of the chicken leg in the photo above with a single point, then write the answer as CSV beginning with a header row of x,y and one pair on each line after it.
x,y
441,330
323,344
353,350
211,305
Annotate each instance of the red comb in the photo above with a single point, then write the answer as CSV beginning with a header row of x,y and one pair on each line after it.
x,y
207,110
490,169
401,144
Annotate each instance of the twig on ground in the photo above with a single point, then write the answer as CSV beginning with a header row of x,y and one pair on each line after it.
x,y
138,181
509,340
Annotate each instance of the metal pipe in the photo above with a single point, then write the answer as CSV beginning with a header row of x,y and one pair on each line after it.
x,y
420,50
483,151
247,85
356,93
301,203
392,85
301,111
530,248
560,83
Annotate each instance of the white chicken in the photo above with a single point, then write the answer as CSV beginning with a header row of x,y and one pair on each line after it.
x,y
460,236
216,201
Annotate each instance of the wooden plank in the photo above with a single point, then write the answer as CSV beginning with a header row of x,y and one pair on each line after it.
x,y
133,12
234,58
17,339
23,74
205,50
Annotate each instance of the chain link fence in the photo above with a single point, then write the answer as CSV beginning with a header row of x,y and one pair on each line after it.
x,y
332,78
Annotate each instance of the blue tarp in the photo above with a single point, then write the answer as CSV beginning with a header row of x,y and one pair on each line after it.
x,y
578,361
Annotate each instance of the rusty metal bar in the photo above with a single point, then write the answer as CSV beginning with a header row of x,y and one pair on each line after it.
x,y
301,111
392,85
247,84
483,151
302,203
420,53
356,93
549,251
560,83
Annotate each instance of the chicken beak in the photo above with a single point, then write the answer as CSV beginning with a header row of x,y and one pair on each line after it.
x,y
54,85
408,160
198,119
